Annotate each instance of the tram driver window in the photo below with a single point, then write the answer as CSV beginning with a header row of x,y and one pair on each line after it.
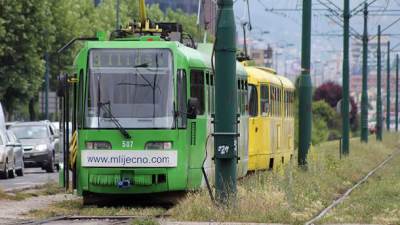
x,y
253,101
197,88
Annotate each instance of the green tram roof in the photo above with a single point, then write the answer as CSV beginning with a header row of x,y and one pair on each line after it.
x,y
196,58
207,48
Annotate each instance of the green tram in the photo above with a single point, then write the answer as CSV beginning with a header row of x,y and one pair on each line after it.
x,y
142,111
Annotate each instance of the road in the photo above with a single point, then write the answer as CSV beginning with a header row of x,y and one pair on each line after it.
x,y
32,177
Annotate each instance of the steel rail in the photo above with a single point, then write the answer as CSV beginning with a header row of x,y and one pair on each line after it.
x,y
68,218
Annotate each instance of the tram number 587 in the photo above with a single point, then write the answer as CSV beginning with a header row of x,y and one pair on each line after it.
x,y
127,144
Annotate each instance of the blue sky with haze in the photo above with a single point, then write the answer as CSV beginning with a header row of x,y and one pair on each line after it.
x,y
285,27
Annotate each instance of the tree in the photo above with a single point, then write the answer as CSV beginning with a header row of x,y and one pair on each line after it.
x,y
24,31
331,93
323,111
31,28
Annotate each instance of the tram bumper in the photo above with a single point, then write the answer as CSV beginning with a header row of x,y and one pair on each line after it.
x,y
125,181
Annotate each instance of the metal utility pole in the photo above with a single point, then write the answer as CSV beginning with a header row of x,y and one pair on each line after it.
x,y
346,66
397,92
117,9
388,88
364,95
46,84
305,86
225,123
379,92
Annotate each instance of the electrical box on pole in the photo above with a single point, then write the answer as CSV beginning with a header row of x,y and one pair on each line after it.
x,y
225,120
364,94
305,86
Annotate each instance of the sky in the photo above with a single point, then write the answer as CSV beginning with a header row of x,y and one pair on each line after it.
x,y
284,28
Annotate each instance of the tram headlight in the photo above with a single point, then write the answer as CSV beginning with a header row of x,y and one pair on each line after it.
x,y
98,145
158,145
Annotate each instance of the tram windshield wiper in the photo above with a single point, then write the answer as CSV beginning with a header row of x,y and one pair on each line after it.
x,y
103,105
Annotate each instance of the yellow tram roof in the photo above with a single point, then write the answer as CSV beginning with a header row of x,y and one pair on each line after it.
x,y
288,84
257,75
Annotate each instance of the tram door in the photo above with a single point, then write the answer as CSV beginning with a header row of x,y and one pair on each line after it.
x,y
197,127
254,123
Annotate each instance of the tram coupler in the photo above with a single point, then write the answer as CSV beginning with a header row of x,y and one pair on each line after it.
x,y
125,183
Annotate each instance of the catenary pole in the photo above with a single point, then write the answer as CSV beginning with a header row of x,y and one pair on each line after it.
x,y
117,19
364,94
305,86
47,84
388,88
346,65
397,92
225,123
379,120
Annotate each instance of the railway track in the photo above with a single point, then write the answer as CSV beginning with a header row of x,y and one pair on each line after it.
x,y
95,220
344,196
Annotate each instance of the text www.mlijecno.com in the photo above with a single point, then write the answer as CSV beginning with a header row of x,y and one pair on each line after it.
x,y
126,160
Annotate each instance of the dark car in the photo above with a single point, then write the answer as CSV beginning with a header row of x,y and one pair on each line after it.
x,y
39,141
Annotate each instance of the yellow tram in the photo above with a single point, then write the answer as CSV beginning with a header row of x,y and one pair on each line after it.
x,y
271,118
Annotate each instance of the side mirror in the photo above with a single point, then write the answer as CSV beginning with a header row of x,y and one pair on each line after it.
x,y
193,108
61,85
10,145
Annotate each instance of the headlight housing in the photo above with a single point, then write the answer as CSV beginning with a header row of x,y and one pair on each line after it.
x,y
41,147
158,145
90,145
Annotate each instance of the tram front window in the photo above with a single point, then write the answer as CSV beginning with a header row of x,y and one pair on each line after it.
x,y
132,87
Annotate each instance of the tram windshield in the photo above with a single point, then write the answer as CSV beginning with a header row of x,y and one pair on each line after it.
x,y
132,87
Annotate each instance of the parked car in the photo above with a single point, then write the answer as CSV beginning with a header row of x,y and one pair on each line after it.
x,y
9,124
7,165
40,143
16,146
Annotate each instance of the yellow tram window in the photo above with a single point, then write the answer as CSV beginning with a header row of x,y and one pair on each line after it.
x,y
264,100
253,101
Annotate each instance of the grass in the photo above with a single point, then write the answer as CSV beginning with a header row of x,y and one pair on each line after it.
x,y
376,202
76,208
50,188
145,222
292,195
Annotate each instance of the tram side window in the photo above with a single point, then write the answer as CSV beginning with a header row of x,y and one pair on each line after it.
x,y
273,101
208,86
286,103
197,88
239,92
80,93
253,101
279,102
264,100
244,97
212,93
182,98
